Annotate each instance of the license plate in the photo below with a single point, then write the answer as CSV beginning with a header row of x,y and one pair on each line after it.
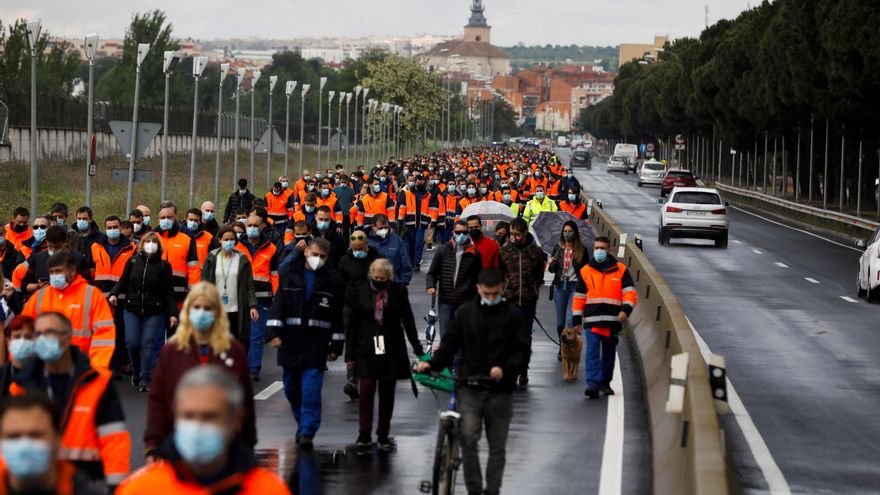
x,y
695,213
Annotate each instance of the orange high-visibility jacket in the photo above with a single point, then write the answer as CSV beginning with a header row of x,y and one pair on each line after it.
x,y
601,296
94,332
429,209
203,244
279,207
264,265
499,196
179,250
370,206
107,271
161,477
578,210
330,202
17,238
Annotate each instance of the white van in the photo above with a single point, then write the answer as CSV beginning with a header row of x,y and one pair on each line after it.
x,y
628,151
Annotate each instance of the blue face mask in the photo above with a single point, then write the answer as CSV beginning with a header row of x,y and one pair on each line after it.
x,y
113,234
48,349
164,223
39,235
376,187
359,254
227,245
21,349
192,225
494,302
462,239
146,219
58,280
201,319
59,221
82,225
539,195
197,442
27,458
252,232
572,197
208,215
309,208
600,255
323,224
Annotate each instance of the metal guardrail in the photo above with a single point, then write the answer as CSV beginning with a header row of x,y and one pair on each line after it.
x,y
809,210
688,452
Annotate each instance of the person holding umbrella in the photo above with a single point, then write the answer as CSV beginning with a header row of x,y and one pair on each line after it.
x,y
565,263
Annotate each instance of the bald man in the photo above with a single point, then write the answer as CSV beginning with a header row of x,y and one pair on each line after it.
x,y
146,211
209,218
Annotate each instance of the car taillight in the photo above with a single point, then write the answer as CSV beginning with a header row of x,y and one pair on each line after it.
x,y
672,209
720,211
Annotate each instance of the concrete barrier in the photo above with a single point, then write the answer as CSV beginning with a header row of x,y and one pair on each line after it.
x,y
687,448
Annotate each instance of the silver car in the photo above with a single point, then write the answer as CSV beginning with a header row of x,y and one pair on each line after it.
x,y
617,164
652,172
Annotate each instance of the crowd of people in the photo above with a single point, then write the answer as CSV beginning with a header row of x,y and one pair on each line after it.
x,y
185,303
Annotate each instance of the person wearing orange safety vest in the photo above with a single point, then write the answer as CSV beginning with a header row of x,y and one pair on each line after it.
x,y
603,301
93,432
19,229
108,258
279,205
326,197
8,255
417,209
573,204
204,456
94,331
263,255
374,203
466,200
179,250
195,228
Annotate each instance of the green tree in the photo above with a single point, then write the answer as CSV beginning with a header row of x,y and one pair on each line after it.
x,y
56,68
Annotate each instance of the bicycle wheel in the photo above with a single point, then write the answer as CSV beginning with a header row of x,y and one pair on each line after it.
x,y
444,460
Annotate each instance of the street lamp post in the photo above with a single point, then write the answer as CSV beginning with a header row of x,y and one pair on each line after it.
x,y
255,76
322,81
273,80
364,105
142,50
330,96
289,88
357,94
342,96
91,45
171,58
199,64
348,143
368,135
224,71
33,34
240,75
302,124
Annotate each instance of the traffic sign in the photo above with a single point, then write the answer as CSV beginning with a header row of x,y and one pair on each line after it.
x,y
338,140
650,147
263,145
146,132
680,146
679,139
642,147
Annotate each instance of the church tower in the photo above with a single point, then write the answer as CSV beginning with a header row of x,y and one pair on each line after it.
x,y
477,29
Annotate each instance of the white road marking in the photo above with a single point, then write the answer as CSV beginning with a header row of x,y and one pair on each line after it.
x,y
817,236
269,391
611,475
769,468
781,264
849,299
811,280
757,251
738,242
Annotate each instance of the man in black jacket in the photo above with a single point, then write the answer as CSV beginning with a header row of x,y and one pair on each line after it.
x,y
453,274
494,340
238,200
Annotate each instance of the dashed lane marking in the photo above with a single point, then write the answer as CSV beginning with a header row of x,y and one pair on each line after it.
x,y
269,391
811,280
797,229
849,299
757,251
781,264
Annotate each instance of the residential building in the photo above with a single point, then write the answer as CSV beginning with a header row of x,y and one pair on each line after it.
x,y
633,51
473,54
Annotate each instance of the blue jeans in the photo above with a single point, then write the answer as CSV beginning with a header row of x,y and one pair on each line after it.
x,y
302,386
600,359
563,295
258,339
415,244
140,336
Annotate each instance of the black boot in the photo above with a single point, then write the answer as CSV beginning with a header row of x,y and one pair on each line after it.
x,y
351,384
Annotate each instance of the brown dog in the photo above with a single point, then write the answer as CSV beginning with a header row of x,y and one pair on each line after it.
x,y
572,345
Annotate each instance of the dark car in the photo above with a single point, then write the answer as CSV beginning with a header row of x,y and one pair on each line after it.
x,y
581,158
677,177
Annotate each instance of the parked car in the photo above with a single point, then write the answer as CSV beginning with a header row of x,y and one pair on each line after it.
x,y
617,164
869,268
581,158
677,177
694,212
562,142
651,172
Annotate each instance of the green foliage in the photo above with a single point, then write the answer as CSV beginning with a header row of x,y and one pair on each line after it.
x,y
524,56
56,68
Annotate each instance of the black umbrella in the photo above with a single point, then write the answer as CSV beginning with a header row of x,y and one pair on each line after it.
x,y
548,225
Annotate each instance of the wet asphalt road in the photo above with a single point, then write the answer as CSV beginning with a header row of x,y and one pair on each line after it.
x,y
555,444
803,359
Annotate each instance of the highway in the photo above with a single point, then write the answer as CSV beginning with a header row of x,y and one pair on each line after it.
x,y
557,441
780,305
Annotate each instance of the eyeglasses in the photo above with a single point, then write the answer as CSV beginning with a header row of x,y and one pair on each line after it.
x,y
358,238
40,227
460,232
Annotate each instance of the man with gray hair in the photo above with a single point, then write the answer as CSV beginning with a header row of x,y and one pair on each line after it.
x,y
203,452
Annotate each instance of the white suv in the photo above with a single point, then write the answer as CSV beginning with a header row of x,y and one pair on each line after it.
x,y
694,212
869,268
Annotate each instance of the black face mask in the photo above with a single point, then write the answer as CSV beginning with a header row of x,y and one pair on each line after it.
x,y
19,228
476,234
501,239
380,285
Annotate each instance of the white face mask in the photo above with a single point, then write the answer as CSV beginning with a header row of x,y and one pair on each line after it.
x,y
315,262
382,233
151,247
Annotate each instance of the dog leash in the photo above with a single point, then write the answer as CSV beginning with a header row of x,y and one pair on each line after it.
x,y
544,330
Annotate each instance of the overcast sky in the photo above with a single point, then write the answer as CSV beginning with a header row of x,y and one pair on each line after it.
x,y
582,22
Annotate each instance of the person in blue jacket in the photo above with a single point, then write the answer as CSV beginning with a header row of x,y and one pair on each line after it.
x,y
391,246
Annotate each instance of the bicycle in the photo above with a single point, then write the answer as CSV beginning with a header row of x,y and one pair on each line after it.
x,y
447,452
